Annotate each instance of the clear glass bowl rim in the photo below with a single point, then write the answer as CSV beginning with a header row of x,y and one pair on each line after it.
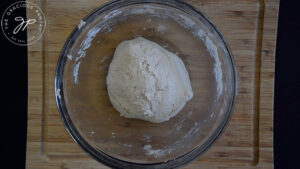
x,y
98,154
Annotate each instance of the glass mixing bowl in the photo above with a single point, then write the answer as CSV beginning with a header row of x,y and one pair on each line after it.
x,y
118,142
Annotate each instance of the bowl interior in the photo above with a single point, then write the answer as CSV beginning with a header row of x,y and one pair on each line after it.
x,y
85,65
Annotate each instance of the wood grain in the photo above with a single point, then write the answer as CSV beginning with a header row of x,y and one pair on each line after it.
x,y
250,28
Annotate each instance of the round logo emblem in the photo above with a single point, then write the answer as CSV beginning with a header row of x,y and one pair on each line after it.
x,y
13,25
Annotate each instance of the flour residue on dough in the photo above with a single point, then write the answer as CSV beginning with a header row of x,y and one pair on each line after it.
x,y
154,85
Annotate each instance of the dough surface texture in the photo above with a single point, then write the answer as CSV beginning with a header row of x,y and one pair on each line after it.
x,y
147,82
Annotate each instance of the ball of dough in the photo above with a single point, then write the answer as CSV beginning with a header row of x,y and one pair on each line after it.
x,y
147,82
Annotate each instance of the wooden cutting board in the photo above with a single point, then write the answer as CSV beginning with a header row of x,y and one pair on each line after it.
x,y
250,28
